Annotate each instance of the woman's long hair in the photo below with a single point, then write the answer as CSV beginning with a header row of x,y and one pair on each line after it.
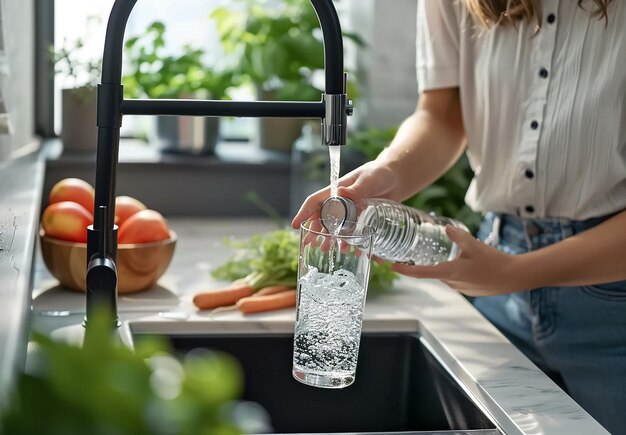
x,y
493,12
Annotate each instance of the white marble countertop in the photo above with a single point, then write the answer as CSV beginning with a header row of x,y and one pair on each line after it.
x,y
505,384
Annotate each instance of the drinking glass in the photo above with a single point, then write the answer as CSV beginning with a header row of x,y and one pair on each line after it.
x,y
333,272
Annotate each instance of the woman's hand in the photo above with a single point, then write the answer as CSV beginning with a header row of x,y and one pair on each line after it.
x,y
479,270
371,180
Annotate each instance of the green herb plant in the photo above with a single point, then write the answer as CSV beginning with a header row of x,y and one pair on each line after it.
x,y
278,46
105,388
263,259
446,196
154,74
370,142
81,73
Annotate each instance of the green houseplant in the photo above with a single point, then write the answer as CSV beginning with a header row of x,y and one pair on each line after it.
x,y
81,75
152,73
279,50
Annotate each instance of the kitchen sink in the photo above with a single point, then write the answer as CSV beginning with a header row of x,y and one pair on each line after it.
x,y
400,387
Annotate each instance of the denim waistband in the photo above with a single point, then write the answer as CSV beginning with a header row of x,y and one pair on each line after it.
x,y
533,227
532,233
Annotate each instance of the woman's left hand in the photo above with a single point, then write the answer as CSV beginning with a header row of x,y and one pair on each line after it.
x,y
479,270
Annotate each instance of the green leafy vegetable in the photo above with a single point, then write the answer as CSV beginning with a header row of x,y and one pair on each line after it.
x,y
272,259
263,259
381,278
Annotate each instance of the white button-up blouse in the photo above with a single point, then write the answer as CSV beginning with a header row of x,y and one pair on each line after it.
x,y
544,111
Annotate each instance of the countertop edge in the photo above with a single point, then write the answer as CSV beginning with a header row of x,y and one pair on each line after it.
x,y
20,200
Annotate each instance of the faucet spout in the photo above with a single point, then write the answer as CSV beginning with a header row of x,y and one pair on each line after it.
x,y
332,110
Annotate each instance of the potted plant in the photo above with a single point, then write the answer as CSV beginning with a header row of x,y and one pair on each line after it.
x,y
79,131
279,50
152,73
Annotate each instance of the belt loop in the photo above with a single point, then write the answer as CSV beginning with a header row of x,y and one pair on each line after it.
x,y
567,228
493,238
527,236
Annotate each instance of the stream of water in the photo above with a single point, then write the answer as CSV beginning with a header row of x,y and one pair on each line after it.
x,y
334,153
335,158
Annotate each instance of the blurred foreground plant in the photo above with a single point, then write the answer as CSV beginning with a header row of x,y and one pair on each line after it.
x,y
107,388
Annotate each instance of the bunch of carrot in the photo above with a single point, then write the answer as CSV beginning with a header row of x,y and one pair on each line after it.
x,y
242,295
263,271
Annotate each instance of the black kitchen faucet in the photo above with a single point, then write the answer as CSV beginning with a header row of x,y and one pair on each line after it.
x,y
333,110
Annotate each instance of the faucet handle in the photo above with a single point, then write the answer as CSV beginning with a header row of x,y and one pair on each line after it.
x,y
335,122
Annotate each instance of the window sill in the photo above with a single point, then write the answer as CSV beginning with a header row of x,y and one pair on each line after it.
x,y
137,151
186,185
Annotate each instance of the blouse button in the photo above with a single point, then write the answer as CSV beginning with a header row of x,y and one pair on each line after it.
x,y
529,174
543,73
551,18
529,209
534,125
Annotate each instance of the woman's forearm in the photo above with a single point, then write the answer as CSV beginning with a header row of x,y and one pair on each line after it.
x,y
427,144
595,256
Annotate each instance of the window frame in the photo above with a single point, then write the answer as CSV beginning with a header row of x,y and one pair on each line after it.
x,y
44,69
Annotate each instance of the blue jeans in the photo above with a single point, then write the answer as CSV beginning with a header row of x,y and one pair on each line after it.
x,y
577,335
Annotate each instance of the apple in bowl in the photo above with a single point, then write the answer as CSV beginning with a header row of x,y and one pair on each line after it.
x,y
145,242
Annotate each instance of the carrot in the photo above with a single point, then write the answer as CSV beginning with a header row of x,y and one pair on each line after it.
x,y
272,289
256,304
223,296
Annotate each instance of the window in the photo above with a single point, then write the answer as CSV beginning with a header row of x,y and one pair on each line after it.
x,y
16,75
85,22
77,20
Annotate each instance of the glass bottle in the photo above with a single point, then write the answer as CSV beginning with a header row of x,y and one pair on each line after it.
x,y
402,234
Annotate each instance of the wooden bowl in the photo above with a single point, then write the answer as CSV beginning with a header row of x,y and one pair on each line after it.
x,y
139,266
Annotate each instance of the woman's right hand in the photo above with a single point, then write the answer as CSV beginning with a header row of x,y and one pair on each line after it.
x,y
371,180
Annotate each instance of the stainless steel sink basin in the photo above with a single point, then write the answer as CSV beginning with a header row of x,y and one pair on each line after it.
x,y
400,387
